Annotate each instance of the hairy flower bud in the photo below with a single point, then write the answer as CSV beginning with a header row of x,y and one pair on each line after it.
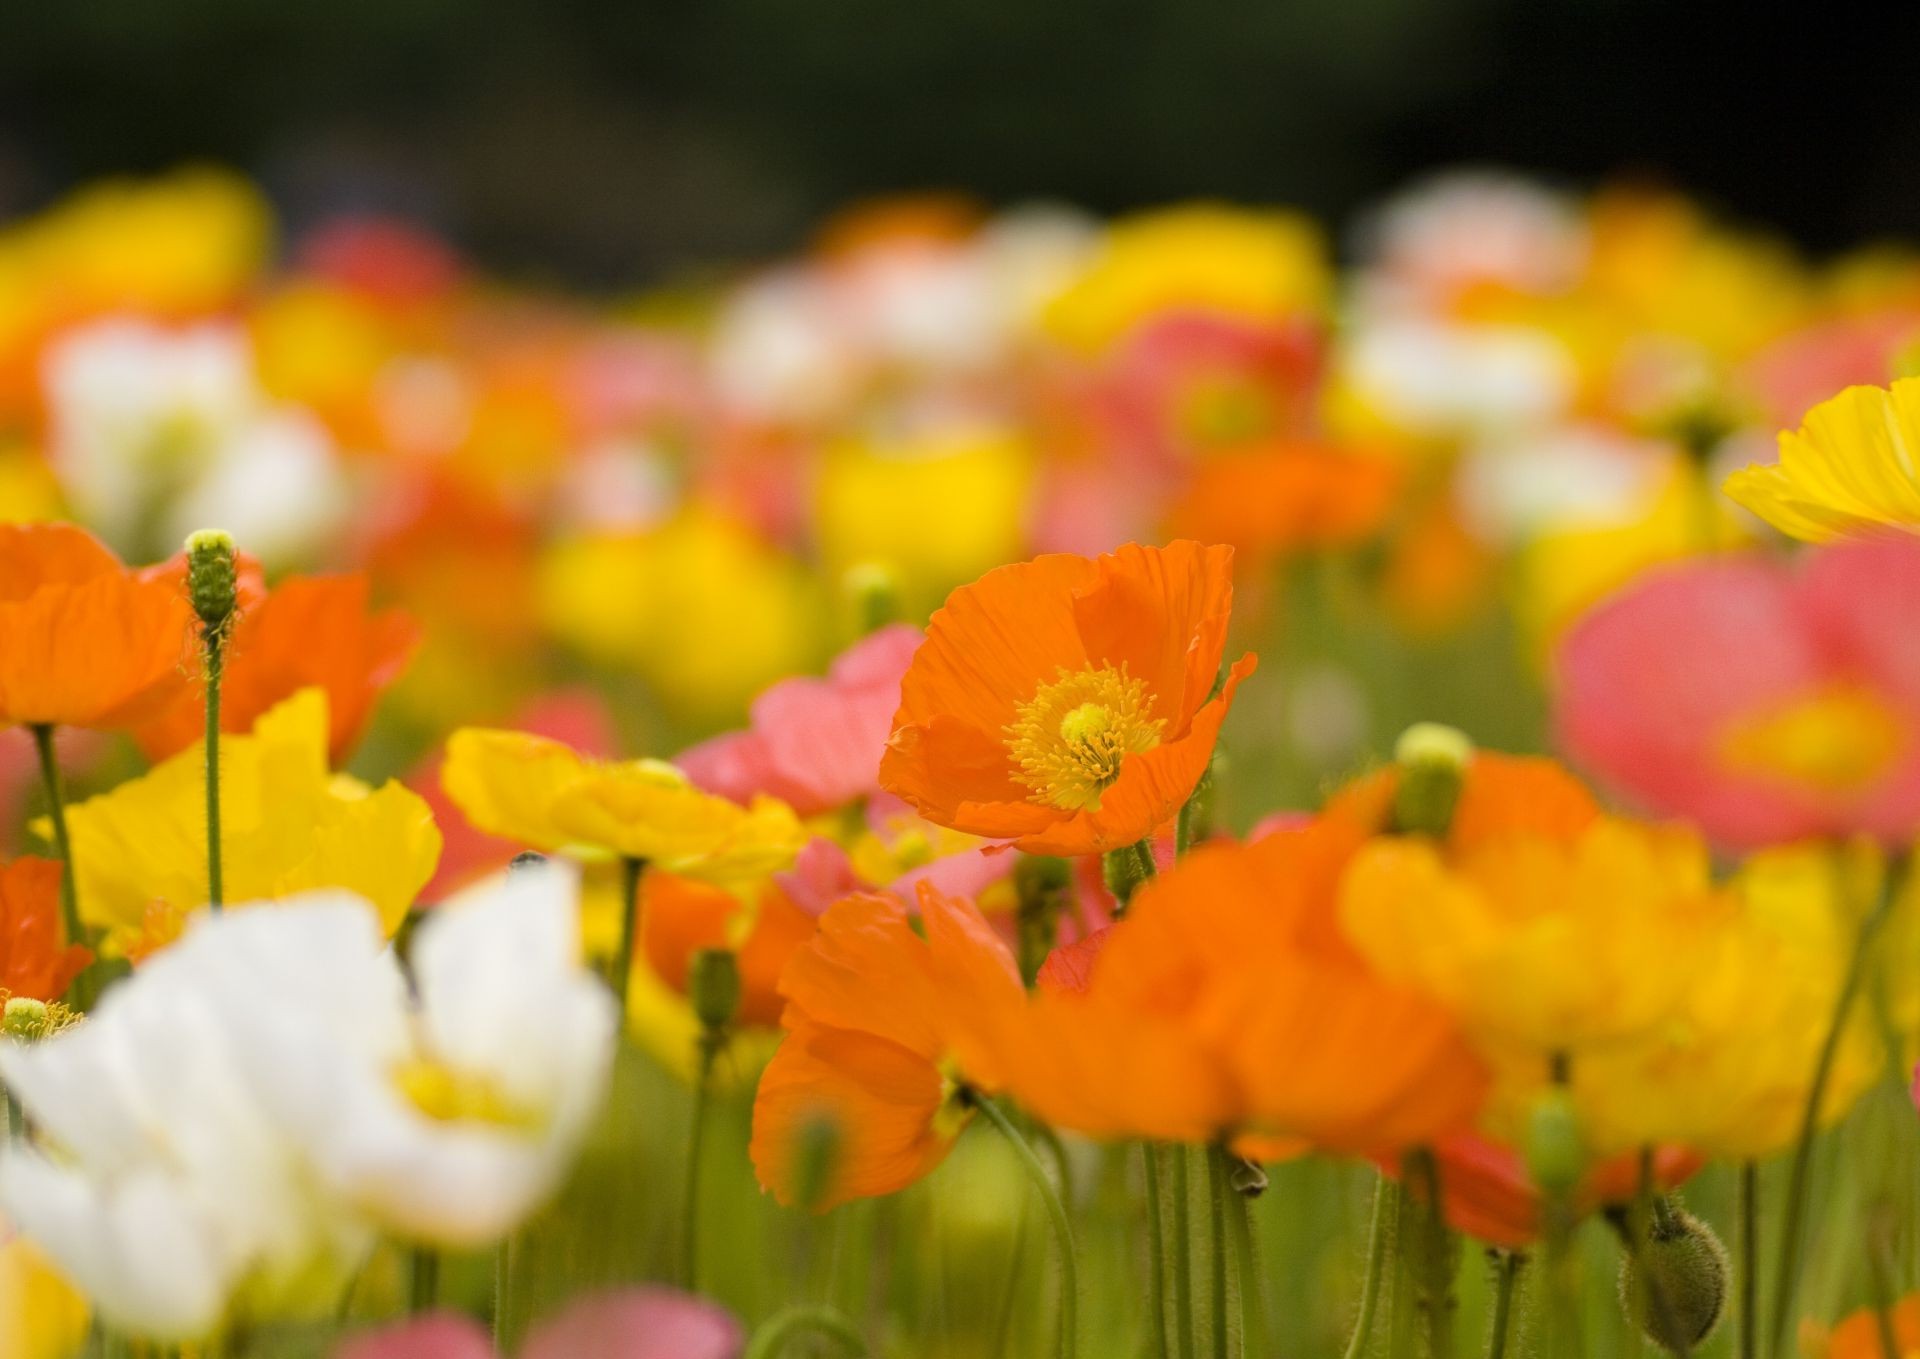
x,y
1674,1288
1556,1154
1433,763
713,984
213,576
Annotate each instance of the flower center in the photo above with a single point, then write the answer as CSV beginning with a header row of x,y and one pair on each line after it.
x,y
1837,742
1069,740
448,1096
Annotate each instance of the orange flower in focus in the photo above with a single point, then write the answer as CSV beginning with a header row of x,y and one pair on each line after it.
x,y
1858,1336
1290,498
680,916
887,1033
1237,950
1066,704
89,643
308,632
33,960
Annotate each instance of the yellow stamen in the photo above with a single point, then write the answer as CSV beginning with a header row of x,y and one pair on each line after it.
x,y
1837,742
1070,739
448,1096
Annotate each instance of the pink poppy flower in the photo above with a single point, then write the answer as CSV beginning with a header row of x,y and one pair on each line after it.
x,y
814,743
1764,701
631,1323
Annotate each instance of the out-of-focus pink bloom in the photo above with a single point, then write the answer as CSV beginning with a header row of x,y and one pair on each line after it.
x,y
814,743
577,717
1763,701
441,1335
824,873
633,1323
1795,374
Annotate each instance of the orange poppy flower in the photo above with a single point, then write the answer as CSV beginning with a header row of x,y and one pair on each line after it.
x,y
1858,1336
307,632
886,1032
1238,949
680,916
33,959
89,643
1067,704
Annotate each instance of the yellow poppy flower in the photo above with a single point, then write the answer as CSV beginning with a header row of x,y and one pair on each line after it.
x,y
1853,467
41,1316
289,824
1728,1072
544,794
1257,265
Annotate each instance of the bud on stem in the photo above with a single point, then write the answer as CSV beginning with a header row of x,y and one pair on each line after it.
x,y
1433,762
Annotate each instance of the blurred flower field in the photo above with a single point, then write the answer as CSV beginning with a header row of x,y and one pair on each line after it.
x,y
1206,786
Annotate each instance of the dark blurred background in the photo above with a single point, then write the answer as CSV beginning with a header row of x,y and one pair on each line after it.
x,y
612,141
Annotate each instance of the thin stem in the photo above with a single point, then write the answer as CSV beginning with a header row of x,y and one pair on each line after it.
x,y
1182,1254
1062,1227
1217,1266
503,1295
57,813
1749,1212
1143,851
214,639
1385,1204
423,1291
631,872
778,1329
1787,1275
696,1140
1156,1251
1436,1275
1253,1302
1506,1272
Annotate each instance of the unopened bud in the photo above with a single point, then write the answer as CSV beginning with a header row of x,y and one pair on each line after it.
x,y
817,1148
1674,1288
713,984
1556,1152
213,576
1433,762
874,591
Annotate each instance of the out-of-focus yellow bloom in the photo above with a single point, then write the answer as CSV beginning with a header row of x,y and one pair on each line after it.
x,y
322,348
29,494
1541,947
700,606
1573,564
871,499
1261,265
544,794
1853,467
288,825
41,1316
1728,1072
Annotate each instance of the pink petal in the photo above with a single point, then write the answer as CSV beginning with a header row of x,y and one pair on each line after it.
x,y
441,1335
637,1323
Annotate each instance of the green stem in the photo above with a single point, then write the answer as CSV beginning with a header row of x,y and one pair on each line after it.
x,y
503,1296
1787,1274
1217,1265
214,639
1253,1302
1385,1204
1156,1251
778,1329
1506,1272
1749,1213
696,1139
631,872
1182,1254
1143,853
1435,1263
1062,1227
57,813
423,1290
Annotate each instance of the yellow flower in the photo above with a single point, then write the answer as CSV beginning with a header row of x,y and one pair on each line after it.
x,y
1852,468
1257,265
1540,946
41,1316
1727,1073
871,496
288,825
541,793
699,606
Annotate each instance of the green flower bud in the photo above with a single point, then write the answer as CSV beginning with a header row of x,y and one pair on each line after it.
x,y
213,576
1433,762
874,591
1675,1287
1556,1152
713,984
